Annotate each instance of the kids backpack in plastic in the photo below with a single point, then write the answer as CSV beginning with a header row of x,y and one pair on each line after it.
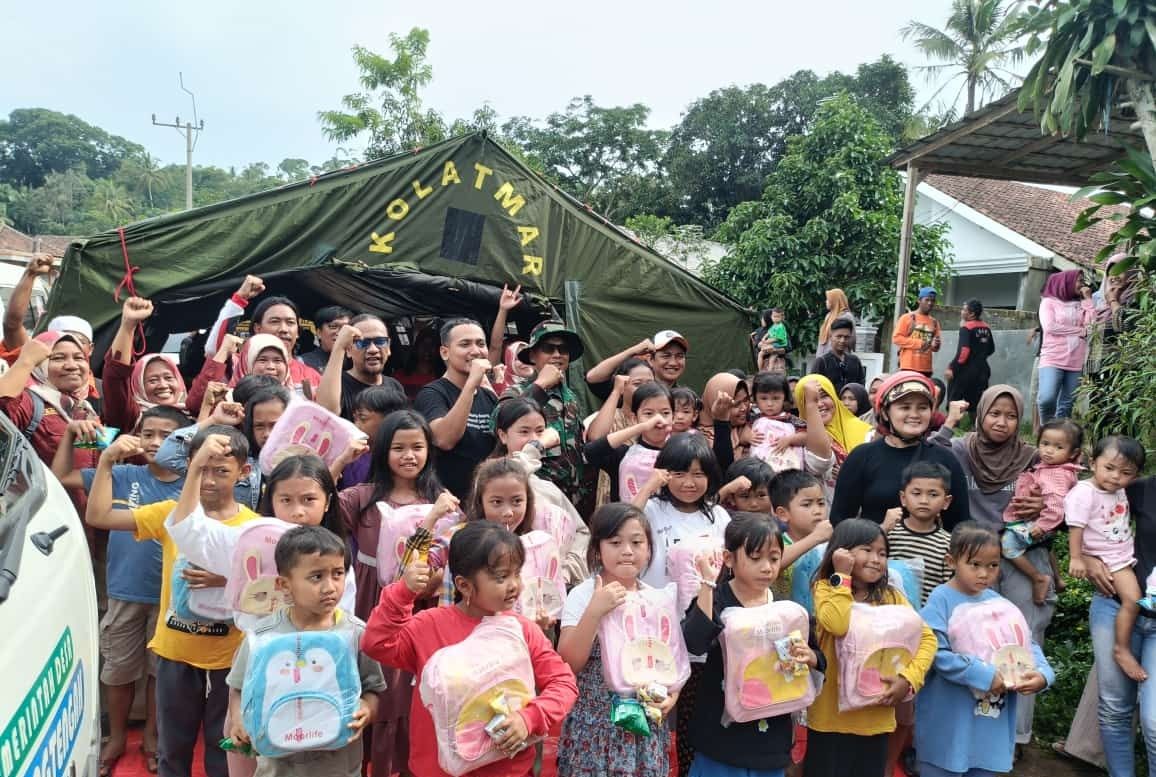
x,y
682,565
880,641
773,431
560,524
636,468
301,690
642,642
252,587
995,632
466,685
759,678
204,605
306,428
398,524
543,587
906,576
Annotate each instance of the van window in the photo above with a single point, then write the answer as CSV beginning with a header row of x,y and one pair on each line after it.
x,y
22,492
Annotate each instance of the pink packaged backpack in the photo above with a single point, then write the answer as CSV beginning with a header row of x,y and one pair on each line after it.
x,y
682,565
773,431
466,685
543,587
398,524
642,643
757,681
995,632
560,524
306,428
880,642
636,468
252,586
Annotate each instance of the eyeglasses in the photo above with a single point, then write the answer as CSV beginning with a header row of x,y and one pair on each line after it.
x,y
552,348
362,343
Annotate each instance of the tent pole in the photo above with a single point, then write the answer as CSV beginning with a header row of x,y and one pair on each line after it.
x,y
906,232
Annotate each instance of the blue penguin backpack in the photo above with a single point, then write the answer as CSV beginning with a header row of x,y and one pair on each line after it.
x,y
301,690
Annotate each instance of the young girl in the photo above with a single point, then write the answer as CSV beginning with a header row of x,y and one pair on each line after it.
x,y
1052,477
630,464
687,408
965,717
591,745
523,437
751,559
1101,526
370,407
854,569
487,560
615,413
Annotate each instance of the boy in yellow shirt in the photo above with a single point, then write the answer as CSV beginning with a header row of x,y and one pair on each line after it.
x,y
193,654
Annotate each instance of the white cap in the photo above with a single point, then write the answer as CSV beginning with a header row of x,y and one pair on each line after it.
x,y
668,336
74,324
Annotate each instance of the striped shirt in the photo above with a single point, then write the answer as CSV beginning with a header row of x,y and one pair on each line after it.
x,y
906,542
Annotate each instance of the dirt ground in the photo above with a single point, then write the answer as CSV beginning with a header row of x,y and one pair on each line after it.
x,y
1039,762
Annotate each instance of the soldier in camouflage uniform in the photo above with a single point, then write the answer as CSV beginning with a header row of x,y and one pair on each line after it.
x,y
551,347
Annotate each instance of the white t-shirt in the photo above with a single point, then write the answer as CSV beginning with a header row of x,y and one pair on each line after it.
x,y
669,525
210,544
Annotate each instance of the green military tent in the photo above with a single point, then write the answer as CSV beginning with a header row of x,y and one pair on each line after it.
x,y
433,232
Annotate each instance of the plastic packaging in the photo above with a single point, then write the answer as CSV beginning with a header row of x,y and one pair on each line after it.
x,y
104,437
543,589
398,524
306,428
301,691
760,679
198,605
773,431
682,565
252,587
906,575
461,684
995,632
880,642
642,643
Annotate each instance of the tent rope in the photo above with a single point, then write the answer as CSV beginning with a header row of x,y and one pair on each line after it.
x,y
126,284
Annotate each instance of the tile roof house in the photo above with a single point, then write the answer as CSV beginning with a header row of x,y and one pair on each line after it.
x,y
1006,237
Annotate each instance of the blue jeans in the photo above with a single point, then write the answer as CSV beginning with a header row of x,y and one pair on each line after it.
x,y
1054,395
930,770
1118,694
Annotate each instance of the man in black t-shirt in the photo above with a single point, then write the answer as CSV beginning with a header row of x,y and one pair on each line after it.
x,y
459,405
328,322
839,365
366,341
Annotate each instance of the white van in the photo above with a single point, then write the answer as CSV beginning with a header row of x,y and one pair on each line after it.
x,y
49,639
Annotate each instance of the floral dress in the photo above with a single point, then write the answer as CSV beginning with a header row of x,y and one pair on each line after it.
x,y
592,746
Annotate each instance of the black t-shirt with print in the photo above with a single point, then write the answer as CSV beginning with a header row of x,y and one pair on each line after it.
x,y
455,467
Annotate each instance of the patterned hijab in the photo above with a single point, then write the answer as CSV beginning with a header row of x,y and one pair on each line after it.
x,y
73,404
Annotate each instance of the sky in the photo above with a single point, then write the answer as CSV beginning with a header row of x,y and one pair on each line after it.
x,y
261,69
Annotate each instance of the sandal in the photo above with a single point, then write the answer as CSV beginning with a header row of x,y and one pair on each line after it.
x,y
150,757
107,767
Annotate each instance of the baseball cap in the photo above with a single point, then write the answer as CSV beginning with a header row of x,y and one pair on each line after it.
x,y
73,324
557,329
928,291
668,336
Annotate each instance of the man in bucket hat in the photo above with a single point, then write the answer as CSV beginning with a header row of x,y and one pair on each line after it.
x,y
551,347
917,334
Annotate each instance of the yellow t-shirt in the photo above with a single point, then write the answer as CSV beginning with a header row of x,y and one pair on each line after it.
x,y
833,618
199,644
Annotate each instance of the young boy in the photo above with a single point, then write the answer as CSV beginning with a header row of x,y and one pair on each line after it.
x,y
193,656
915,530
686,405
311,563
801,509
133,575
747,488
777,331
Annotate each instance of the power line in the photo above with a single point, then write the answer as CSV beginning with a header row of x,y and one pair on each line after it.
x,y
191,132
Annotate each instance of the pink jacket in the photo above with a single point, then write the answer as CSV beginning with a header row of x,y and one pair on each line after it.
x,y
1065,326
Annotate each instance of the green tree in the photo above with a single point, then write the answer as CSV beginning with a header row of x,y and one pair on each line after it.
x,y
830,216
35,142
976,43
56,208
596,154
111,202
294,169
389,111
144,175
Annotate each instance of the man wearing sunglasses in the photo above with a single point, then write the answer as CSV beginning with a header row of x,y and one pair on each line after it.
x,y
551,347
366,341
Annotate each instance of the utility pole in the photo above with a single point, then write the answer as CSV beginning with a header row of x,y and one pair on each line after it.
x,y
190,131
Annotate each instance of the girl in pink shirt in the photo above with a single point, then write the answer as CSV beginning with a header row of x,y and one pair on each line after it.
x,y
1066,312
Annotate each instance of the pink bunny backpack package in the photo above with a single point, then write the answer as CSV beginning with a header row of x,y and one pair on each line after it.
x,y
470,687
252,586
773,431
543,586
301,691
307,428
398,524
995,632
642,643
879,643
636,468
561,525
760,679
682,565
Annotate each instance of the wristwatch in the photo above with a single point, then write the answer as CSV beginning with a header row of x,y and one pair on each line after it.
x,y
837,580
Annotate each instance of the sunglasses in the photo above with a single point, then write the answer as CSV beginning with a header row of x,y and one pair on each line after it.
x,y
362,343
552,348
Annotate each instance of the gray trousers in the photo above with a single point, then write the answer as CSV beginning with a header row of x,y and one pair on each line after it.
x,y
190,701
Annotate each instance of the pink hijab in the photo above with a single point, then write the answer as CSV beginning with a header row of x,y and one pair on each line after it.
x,y
140,396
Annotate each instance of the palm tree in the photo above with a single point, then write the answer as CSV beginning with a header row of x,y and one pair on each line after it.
x,y
110,200
145,172
980,37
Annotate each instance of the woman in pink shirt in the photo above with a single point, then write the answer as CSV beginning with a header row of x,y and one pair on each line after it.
x,y
1066,312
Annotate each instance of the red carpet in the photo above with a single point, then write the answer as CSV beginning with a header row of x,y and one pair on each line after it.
x,y
132,763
